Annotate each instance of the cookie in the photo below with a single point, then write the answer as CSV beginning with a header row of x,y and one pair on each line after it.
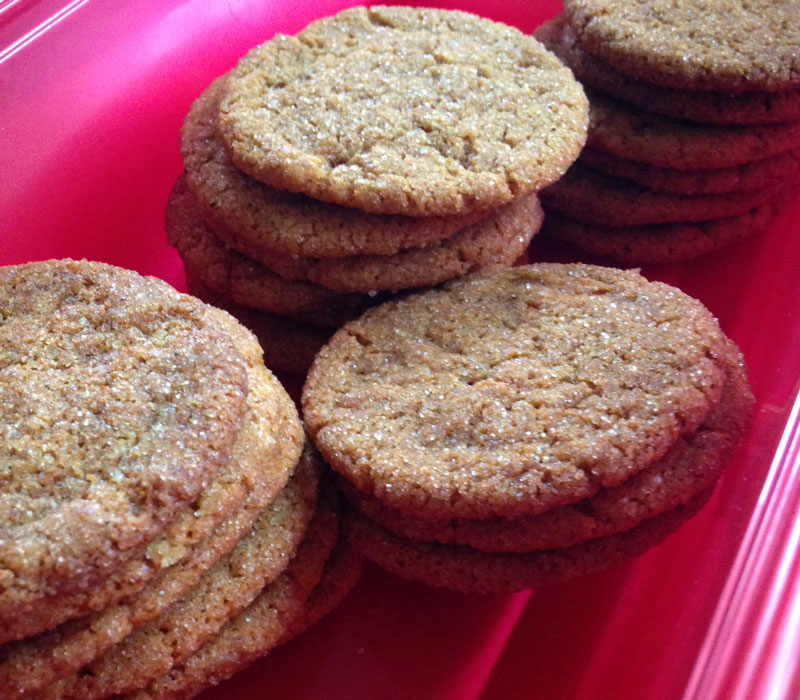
x,y
288,345
710,107
729,45
591,197
515,391
757,174
498,239
222,592
669,143
396,110
243,280
261,626
661,243
692,465
225,493
120,403
261,221
264,454
472,571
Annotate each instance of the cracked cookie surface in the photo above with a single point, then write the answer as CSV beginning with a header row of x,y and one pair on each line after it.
x,y
397,110
258,558
265,452
121,401
511,392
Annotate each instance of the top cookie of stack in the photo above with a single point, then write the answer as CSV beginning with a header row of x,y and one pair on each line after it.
x,y
522,426
380,149
157,499
125,406
694,138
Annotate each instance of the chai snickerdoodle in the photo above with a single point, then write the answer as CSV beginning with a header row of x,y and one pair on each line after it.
x,y
518,400
397,110
263,457
122,400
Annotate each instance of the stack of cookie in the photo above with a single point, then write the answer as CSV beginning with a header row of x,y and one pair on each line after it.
x,y
155,490
517,427
694,137
378,150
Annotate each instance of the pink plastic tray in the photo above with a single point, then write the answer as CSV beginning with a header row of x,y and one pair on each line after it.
x,y
91,100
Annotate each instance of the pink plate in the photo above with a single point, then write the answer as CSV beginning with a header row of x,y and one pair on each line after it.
x,y
92,95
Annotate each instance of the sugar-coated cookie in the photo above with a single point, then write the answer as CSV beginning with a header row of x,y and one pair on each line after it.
x,y
397,110
121,400
515,391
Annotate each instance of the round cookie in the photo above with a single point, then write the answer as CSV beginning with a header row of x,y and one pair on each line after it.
x,y
710,107
264,624
513,391
767,172
288,345
591,197
650,138
225,493
120,403
223,591
261,462
396,110
693,464
661,243
498,239
472,571
245,281
726,45
261,221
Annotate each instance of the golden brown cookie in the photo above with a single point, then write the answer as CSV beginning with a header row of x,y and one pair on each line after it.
x,y
397,110
288,345
498,239
757,174
265,453
316,289
646,137
472,571
662,243
512,392
342,572
726,45
121,400
594,198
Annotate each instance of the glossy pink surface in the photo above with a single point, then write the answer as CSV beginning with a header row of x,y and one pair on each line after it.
x,y
92,95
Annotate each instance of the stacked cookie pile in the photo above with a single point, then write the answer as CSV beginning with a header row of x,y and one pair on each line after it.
x,y
521,426
378,150
694,137
156,498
